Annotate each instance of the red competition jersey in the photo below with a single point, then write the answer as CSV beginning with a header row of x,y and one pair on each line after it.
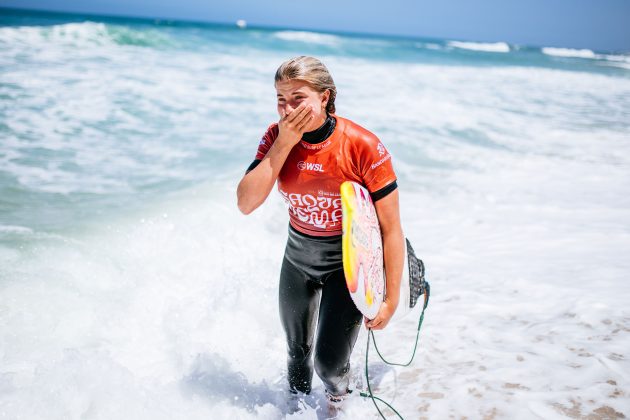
x,y
311,176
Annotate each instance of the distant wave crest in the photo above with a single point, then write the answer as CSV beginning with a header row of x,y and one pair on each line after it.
x,y
616,60
569,52
85,34
499,47
622,61
77,34
622,58
309,37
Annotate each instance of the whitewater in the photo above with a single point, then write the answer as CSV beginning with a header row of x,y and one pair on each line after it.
x,y
132,287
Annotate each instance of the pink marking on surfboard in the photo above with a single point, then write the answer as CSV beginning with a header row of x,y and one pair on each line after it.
x,y
364,199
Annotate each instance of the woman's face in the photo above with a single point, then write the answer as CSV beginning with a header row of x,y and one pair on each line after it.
x,y
292,93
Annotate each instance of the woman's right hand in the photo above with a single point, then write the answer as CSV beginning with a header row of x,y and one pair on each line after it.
x,y
293,124
255,186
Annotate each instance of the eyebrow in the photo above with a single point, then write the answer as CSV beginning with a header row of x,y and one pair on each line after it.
x,y
297,92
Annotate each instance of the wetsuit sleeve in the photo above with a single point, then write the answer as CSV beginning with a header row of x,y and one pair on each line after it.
x,y
264,145
266,141
375,164
253,165
383,192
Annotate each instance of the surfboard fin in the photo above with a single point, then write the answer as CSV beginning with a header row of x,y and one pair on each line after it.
x,y
417,284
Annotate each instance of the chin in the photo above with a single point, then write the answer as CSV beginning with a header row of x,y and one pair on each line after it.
x,y
312,126
316,123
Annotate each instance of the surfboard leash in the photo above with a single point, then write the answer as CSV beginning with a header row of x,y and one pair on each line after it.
x,y
370,394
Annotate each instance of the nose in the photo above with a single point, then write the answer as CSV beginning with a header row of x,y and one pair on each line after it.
x,y
285,109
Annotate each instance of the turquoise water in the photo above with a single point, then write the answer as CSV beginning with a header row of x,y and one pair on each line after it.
x,y
123,256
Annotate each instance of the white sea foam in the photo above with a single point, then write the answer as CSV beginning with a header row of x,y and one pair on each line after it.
x,y
569,52
15,229
122,127
500,47
119,316
308,37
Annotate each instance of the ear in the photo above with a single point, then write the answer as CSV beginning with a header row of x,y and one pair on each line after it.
x,y
326,97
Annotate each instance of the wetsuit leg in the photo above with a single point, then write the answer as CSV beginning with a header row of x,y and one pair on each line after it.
x,y
299,301
339,326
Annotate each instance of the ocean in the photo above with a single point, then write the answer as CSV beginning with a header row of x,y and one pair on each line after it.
x,y
132,287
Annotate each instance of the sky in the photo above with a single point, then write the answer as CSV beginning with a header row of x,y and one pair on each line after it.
x,y
595,24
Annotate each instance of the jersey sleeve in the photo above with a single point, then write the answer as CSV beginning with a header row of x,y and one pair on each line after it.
x,y
375,163
266,141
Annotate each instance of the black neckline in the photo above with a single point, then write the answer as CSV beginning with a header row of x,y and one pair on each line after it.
x,y
322,133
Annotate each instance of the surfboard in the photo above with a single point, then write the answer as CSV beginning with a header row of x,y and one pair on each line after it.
x,y
362,249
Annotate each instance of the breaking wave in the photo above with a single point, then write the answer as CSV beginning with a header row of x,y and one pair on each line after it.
x,y
499,47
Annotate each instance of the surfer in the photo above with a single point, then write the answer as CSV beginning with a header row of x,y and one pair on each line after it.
x,y
310,152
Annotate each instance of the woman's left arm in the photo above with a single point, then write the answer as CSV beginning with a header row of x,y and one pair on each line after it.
x,y
388,213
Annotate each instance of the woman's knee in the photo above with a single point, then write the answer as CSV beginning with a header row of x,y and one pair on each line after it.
x,y
330,369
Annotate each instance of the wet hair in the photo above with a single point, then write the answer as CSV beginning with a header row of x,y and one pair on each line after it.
x,y
311,71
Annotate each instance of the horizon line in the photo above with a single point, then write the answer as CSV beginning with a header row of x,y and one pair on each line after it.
x,y
156,20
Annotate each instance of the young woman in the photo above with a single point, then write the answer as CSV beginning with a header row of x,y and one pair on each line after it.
x,y
310,152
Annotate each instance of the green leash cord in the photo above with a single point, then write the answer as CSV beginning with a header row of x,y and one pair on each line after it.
x,y
367,352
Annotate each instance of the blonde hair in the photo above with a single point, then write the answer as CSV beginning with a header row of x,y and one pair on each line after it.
x,y
311,71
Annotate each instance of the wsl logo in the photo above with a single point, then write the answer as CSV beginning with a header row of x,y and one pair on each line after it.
x,y
306,166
